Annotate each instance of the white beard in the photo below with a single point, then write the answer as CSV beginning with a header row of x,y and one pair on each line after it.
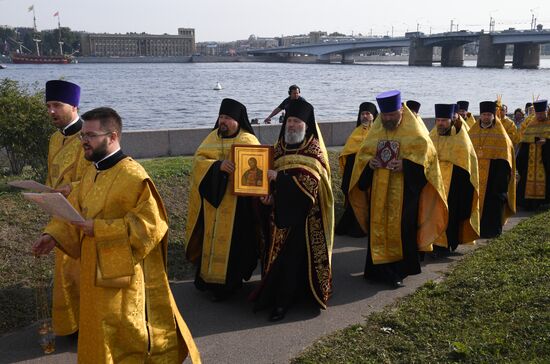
x,y
295,137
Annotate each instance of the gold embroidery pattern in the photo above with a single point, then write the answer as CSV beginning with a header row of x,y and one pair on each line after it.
x,y
320,273
278,239
311,149
535,186
310,183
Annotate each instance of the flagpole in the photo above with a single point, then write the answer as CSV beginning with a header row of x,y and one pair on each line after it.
x,y
59,30
36,39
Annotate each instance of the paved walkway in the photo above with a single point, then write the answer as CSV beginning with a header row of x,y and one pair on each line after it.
x,y
229,332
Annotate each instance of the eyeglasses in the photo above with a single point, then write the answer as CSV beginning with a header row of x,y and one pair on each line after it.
x,y
87,136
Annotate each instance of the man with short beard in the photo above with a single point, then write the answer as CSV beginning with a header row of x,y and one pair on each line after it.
x,y
395,178
348,224
497,169
127,311
298,258
66,165
533,160
458,164
221,235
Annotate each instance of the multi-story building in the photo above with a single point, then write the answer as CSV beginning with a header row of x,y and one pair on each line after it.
x,y
137,45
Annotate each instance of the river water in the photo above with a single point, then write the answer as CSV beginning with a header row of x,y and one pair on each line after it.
x,y
181,95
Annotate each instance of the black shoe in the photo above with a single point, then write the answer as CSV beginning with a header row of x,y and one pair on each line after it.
x,y
277,314
398,284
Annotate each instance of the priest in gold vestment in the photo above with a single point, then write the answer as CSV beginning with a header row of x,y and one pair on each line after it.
x,y
297,262
127,311
348,224
458,164
533,159
397,192
497,169
66,165
221,233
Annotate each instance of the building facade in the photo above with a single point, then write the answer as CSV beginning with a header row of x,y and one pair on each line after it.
x,y
138,45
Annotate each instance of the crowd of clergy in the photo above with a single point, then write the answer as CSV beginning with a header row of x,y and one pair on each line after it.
x,y
407,191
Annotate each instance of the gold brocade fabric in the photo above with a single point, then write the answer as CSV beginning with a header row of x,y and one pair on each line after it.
x,y
352,145
210,239
494,143
535,185
463,124
384,199
311,173
457,149
66,165
470,120
511,130
139,323
525,124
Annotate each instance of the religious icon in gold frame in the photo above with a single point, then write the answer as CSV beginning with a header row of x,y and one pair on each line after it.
x,y
251,165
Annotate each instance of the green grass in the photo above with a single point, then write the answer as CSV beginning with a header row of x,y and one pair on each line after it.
x,y
493,307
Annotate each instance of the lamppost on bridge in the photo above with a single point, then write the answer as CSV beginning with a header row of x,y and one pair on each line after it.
x,y
533,19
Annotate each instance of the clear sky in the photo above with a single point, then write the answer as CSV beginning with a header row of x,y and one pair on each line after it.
x,y
224,20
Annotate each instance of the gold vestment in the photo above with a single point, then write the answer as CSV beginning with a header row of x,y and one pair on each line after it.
x,y
210,239
66,165
457,149
494,143
127,311
382,206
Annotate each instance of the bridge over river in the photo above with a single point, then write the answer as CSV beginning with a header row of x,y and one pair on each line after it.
x,y
491,53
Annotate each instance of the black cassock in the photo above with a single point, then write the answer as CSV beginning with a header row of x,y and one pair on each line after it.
x,y
244,252
288,277
496,198
414,182
522,163
348,224
459,200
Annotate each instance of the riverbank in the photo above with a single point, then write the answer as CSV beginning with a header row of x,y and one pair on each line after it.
x,y
242,59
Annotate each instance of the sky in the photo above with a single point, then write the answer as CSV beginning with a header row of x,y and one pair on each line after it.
x,y
225,20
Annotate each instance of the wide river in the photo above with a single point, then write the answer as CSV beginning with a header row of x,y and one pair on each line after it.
x,y
181,95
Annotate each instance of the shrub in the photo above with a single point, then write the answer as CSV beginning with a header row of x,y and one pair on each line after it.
x,y
25,127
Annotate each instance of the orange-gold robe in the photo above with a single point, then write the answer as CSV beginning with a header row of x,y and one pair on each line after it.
x,y
497,169
456,149
127,311
66,165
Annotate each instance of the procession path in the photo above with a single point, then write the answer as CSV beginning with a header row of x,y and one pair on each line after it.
x,y
229,332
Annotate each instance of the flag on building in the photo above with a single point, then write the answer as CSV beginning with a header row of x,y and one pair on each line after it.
x,y
56,13
31,8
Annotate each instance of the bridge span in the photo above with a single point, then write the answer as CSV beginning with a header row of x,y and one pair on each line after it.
x,y
491,52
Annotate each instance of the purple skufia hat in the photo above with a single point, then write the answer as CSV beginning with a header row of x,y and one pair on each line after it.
x,y
540,105
444,111
389,101
63,91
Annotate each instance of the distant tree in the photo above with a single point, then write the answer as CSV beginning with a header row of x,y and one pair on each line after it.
x,y
24,127
336,34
